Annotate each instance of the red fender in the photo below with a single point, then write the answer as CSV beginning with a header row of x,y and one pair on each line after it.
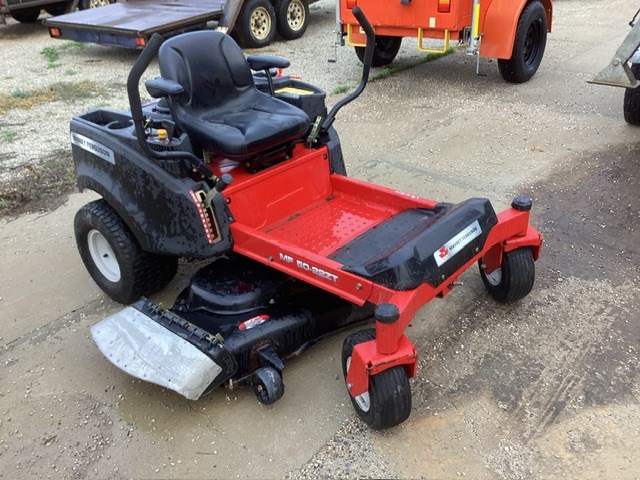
x,y
499,24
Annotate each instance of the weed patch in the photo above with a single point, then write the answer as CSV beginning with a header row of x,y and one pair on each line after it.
x,y
7,136
62,91
43,186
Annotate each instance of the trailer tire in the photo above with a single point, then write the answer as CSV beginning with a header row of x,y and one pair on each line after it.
x,y
384,50
631,106
292,18
387,403
58,8
256,24
514,279
528,45
114,258
28,15
87,4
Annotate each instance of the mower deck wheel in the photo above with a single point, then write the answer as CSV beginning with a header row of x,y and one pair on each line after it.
x,y
512,280
114,258
387,403
267,385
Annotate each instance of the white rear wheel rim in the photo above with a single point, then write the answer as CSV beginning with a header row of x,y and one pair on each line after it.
x,y
103,256
495,277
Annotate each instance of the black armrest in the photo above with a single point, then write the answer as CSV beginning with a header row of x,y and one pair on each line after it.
x,y
161,87
266,62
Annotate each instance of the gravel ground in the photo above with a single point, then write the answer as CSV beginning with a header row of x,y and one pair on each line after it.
x,y
34,142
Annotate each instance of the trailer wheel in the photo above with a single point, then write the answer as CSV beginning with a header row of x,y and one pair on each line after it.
x,y
387,403
27,15
631,106
514,279
58,8
114,258
384,51
292,18
86,4
256,24
528,45
267,385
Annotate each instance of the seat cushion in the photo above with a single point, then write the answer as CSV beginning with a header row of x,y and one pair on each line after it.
x,y
220,109
241,132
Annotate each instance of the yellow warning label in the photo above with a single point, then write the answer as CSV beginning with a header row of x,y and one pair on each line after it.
x,y
298,91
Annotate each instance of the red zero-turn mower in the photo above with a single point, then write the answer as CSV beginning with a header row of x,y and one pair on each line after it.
x,y
226,164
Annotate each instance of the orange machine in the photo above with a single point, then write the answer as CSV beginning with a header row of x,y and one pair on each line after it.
x,y
513,31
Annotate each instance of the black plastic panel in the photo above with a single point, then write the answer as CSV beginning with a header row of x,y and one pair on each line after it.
x,y
399,253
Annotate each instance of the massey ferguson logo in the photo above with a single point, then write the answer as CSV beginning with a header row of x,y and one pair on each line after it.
x,y
456,244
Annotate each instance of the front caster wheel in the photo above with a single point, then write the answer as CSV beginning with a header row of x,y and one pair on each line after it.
x,y
387,403
513,279
267,385
114,258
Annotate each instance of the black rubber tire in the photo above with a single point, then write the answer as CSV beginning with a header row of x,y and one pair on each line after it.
x,y
267,385
292,18
516,276
528,45
384,51
389,391
247,35
631,105
27,15
141,273
87,4
58,8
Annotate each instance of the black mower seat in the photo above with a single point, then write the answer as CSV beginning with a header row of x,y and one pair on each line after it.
x,y
220,108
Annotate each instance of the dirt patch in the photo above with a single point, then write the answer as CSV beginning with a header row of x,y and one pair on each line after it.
x,y
41,186
60,91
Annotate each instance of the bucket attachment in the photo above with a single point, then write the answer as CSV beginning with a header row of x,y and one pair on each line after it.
x,y
618,73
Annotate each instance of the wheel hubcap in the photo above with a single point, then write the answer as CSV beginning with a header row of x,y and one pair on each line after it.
x,y
103,256
295,15
260,23
98,3
363,401
495,277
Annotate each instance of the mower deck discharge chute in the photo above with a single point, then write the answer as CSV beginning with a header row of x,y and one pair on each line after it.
x,y
246,169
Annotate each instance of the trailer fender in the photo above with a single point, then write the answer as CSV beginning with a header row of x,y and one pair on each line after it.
x,y
499,26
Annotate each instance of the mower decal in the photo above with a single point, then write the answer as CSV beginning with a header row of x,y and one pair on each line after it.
x,y
94,147
309,268
457,243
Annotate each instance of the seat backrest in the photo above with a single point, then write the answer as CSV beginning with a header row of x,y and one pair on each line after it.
x,y
210,67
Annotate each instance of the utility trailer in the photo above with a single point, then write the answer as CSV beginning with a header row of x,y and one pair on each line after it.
x,y
624,71
513,31
132,23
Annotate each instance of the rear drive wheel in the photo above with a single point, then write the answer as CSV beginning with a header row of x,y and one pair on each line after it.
x,y
631,106
528,45
114,258
256,24
292,18
513,279
384,51
387,403
86,4
267,385
27,15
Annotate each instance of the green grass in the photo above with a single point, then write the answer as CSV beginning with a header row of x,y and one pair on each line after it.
x,y
7,136
70,71
52,53
387,72
341,89
61,91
